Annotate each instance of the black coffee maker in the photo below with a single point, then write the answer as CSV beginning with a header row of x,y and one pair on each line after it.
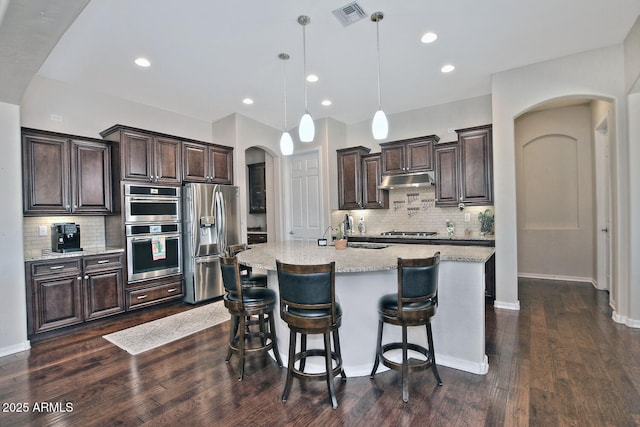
x,y
65,237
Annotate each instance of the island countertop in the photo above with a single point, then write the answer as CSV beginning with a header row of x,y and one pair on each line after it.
x,y
354,260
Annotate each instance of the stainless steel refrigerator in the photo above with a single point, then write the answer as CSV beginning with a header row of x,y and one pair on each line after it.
x,y
210,224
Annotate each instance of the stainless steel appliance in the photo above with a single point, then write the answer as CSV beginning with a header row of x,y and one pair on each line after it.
x,y
65,237
151,203
153,250
409,233
211,223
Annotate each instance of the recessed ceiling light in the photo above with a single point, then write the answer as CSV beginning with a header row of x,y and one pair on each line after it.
x,y
142,62
429,37
247,101
312,78
326,102
447,68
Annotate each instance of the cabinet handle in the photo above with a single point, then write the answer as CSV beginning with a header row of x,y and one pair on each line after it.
x,y
103,261
86,277
79,277
141,297
56,267
172,290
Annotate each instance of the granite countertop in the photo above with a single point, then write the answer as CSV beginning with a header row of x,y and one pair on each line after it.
x,y
353,260
47,254
438,236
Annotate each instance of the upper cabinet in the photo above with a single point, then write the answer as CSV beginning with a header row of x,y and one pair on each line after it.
x,y
207,163
359,175
65,174
464,168
257,187
408,155
146,156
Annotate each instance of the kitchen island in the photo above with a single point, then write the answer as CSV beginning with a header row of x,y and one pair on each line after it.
x,y
363,275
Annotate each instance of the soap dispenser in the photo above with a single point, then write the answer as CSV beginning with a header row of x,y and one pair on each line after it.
x,y
361,226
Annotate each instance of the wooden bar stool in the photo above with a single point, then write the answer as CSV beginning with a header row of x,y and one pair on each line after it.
x,y
414,304
247,276
242,303
308,306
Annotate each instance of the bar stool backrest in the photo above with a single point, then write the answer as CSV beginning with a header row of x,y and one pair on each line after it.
x,y
231,279
418,280
310,287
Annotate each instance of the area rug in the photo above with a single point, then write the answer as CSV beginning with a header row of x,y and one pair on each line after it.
x,y
141,338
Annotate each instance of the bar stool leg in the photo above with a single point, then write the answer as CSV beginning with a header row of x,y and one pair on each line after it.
x,y
336,344
378,349
274,339
405,366
241,345
303,349
432,354
233,330
329,367
292,355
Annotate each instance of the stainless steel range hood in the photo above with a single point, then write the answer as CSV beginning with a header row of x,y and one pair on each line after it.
x,y
412,180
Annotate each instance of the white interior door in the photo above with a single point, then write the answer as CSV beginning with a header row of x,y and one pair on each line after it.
x,y
603,205
305,199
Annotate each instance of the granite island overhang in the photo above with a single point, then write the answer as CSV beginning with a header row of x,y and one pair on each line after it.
x,y
363,275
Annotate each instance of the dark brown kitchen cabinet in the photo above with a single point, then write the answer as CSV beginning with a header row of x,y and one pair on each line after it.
x,y
144,294
359,175
446,174
257,188
65,174
69,291
476,165
372,196
146,156
464,169
408,156
207,163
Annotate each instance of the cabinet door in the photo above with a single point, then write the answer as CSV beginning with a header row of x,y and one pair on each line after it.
x,y
476,179
446,174
372,197
419,156
90,177
257,194
57,302
393,159
46,175
221,162
195,162
167,161
104,294
137,156
350,177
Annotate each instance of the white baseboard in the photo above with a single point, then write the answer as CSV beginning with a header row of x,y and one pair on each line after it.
x,y
624,320
515,306
5,351
558,277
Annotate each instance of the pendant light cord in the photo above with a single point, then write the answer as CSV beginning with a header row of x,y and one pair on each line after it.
x,y
304,64
378,51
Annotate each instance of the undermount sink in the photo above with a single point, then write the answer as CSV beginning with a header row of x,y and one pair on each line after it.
x,y
363,245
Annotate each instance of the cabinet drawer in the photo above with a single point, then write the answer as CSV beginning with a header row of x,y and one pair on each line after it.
x,y
59,266
253,239
152,295
102,262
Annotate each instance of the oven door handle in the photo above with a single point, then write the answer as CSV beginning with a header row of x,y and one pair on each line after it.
x,y
153,199
208,259
143,238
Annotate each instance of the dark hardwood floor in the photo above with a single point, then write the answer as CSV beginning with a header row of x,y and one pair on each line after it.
x,y
559,361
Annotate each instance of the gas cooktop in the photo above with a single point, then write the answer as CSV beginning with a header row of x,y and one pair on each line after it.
x,y
409,233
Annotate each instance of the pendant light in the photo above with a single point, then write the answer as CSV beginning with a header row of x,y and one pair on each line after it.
x,y
286,143
306,128
379,124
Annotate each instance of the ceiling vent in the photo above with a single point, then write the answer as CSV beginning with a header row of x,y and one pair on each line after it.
x,y
350,13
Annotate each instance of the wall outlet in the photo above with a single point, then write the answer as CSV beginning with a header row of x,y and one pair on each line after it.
x,y
467,217
42,230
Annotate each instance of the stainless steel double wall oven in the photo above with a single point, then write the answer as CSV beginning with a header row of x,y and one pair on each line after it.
x,y
153,231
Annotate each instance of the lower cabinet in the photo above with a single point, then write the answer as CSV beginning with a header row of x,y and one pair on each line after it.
x,y
143,294
70,291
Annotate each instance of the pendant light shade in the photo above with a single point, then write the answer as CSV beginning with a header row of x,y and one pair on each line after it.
x,y
379,124
306,128
286,143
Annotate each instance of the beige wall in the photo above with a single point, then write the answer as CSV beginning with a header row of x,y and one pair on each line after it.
x,y
555,203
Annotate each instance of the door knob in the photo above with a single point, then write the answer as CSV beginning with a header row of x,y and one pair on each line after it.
x,y
291,232
606,229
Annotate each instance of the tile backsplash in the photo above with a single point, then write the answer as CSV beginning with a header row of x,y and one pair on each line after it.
x,y
91,231
414,210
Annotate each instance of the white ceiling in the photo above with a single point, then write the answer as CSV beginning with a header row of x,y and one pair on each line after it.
x,y
207,55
